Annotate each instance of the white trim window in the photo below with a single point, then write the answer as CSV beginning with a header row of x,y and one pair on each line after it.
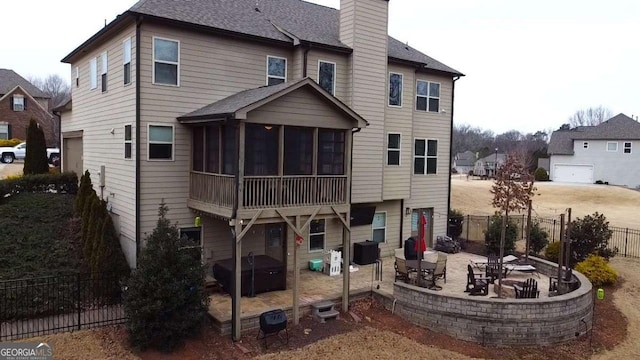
x,y
585,145
18,103
93,73
626,148
395,89
612,146
316,235
77,76
425,158
166,61
276,70
394,141
126,61
160,142
4,131
127,141
379,227
104,67
427,96
327,76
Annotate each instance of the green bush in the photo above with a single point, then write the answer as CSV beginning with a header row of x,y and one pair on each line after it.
x,y
84,191
597,270
552,252
165,301
541,174
539,238
455,223
66,182
590,235
10,143
493,233
35,160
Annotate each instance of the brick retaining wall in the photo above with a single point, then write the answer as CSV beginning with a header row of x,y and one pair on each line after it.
x,y
500,321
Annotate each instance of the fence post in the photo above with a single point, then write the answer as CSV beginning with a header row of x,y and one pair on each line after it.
x,y
468,224
554,231
626,238
78,299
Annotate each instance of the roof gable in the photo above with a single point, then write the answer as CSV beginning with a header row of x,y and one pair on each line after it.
x,y
9,79
238,105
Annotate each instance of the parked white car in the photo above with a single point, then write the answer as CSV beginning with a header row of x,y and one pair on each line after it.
x,y
9,154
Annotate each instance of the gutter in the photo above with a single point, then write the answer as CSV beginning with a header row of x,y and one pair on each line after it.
x,y
453,91
138,23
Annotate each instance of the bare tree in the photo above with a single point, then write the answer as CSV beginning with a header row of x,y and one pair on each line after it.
x,y
590,117
54,86
512,190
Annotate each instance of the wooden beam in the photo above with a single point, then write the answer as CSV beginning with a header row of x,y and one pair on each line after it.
x,y
344,222
346,247
237,285
315,212
286,219
249,225
296,278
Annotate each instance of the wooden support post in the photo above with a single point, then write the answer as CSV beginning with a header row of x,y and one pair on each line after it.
x,y
296,277
346,246
560,252
526,254
567,241
236,285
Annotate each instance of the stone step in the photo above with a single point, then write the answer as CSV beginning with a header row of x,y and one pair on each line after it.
x,y
330,314
323,305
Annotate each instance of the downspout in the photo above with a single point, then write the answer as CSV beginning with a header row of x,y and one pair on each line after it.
x,y
402,215
304,60
138,23
453,92
233,220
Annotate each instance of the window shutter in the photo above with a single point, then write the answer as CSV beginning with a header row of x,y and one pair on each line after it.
x,y
9,136
11,102
24,101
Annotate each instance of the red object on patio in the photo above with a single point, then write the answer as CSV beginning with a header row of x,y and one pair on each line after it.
x,y
421,244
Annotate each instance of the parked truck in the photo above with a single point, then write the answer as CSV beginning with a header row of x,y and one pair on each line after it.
x,y
9,154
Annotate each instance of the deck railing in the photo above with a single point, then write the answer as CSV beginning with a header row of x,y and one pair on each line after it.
x,y
270,191
215,189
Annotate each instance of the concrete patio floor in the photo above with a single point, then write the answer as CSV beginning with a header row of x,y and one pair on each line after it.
x,y
316,286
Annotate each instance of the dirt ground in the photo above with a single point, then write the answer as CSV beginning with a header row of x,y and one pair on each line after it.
x,y
618,204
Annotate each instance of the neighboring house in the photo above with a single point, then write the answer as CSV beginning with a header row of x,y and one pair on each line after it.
x,y
21,101
604,152
464,162
170,102
488,165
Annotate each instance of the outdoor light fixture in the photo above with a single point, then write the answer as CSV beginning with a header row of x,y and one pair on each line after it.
x,y
407,211
268,127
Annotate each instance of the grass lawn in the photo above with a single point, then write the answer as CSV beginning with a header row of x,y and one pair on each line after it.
x,y
32,236
618,204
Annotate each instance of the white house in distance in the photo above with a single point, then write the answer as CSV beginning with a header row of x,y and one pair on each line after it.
x,y
605,152
488,165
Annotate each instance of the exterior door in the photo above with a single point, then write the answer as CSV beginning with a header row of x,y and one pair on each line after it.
x,y
276,241
72,155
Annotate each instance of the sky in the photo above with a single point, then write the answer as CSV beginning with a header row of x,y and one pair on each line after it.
x,y
528,65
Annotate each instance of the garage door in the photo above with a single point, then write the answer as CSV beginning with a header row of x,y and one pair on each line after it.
x,y
72,155
573,173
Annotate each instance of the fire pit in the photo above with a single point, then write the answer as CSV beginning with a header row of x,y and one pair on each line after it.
x,y
507,288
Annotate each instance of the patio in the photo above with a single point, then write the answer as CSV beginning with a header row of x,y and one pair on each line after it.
x,y
316,286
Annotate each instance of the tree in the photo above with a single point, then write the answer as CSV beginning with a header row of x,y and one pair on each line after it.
x,y
456,218
165,301
107,255
84,190
512,190
35,161
590,235
590,117
54,86
494,232
539,238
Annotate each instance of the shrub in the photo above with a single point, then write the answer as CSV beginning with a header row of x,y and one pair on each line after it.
x,y
552,252
455,223
493,233
84,191
10,143
541,174
165,300
539,238
66,182
590,235
35,160
86,215
597,270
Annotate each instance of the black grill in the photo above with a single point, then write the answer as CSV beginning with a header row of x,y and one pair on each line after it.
x,y
271,323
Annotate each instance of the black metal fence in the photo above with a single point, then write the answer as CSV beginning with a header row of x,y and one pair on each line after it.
x,y
626,241
44,305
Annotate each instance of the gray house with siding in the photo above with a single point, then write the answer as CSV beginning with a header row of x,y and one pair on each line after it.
x,y
275,122
604,152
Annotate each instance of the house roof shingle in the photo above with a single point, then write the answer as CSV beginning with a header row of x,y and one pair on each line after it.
x,y
619,127
261,18
9,79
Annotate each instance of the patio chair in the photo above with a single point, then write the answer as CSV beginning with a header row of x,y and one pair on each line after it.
x,y
528,291
492,270
440,271
402,272
476,283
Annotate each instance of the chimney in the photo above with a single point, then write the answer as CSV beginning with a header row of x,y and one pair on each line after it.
x,y
363,27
